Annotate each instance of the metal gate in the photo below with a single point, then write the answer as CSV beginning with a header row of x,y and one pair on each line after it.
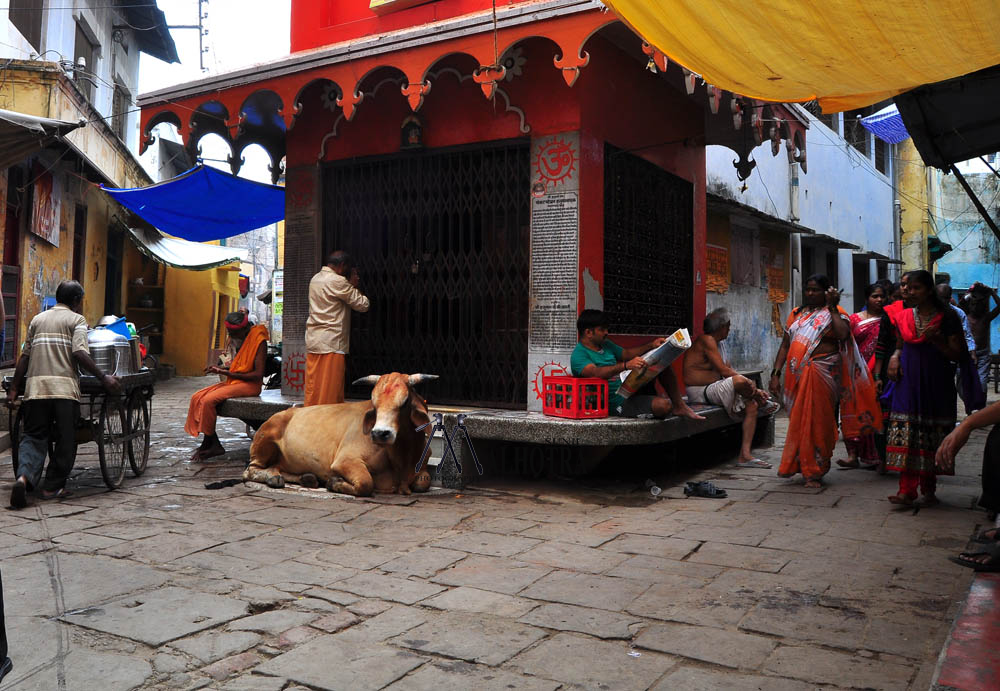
x,y
648,246
442,242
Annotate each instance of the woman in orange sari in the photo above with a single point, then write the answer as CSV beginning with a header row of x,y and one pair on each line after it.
x,y
825,370
244,377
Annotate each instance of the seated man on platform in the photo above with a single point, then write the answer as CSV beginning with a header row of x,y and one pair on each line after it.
x,y
598,356
244,377
709,379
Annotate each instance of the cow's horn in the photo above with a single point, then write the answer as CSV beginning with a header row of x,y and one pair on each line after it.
x,y
421,378
370,380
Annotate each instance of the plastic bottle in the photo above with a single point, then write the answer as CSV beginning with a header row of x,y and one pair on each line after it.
x,y
653,488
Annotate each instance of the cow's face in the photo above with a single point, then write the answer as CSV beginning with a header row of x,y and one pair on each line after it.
x,y
393,403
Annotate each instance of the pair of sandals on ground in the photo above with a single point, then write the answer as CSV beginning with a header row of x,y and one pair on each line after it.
x,y
987,557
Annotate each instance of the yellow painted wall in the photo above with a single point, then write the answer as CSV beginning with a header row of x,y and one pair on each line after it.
x,y
281,245
914,223
192,315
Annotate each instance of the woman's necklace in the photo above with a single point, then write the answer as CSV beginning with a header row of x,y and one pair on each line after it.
x,y
922,322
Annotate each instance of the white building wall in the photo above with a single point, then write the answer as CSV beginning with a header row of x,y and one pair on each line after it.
x,y
842,194
114,60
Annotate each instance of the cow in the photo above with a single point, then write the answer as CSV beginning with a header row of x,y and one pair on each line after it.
x,y
354,448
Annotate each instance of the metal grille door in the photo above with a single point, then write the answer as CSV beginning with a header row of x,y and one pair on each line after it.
x,y
442,242
648,252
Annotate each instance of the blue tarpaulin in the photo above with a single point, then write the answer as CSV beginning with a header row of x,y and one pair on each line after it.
x,y
887,125
205,204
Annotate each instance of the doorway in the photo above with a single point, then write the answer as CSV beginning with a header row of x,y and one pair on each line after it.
x,y
441,239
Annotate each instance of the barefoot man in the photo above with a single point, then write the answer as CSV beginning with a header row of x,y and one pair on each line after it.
x,y
244,377
709,379
596,355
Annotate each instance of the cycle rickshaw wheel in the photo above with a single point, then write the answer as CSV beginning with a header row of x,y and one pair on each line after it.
x,y
111,445
138,423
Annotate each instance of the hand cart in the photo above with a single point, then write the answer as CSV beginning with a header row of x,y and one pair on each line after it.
x,y
117,423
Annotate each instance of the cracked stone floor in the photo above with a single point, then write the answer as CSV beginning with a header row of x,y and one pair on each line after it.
x,y
516,584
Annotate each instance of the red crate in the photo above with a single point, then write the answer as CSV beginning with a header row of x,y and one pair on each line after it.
x,y
577,398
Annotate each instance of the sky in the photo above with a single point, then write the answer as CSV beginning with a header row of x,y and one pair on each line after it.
x,y
240,33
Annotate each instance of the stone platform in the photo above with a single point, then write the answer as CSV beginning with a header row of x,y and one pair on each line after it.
x,y
499,425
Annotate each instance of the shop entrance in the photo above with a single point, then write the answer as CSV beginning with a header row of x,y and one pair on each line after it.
x,y
442,242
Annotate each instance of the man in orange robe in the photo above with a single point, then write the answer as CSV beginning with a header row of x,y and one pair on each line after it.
x,y
244,377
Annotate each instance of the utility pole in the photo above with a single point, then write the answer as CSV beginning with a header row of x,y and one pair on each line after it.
x,y
202,32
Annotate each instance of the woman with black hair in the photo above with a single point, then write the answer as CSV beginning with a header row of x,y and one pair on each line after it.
x,y
824,370
922,395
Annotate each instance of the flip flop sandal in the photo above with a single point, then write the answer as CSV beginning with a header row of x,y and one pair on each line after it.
x,y
847,464
771,408
991,566
901,500
17,495
753,463
60,494
704,489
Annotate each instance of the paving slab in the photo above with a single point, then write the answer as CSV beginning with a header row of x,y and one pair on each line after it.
x,y
330,663
486,640
423,562
488,544
465,599
159,616
742,557
793,619
594,622
391,622
492,573
79,669
267,549
358,555
695,679
641,567
592,664
718,647
563,555
254,682
698,606
653,546
456,674
586,590
273,622
215,645
390,588
819,666
162,547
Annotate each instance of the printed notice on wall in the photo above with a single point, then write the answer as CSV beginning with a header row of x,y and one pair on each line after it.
x,y
555,225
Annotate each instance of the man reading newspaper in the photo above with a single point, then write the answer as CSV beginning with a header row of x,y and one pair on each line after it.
x,y
598,356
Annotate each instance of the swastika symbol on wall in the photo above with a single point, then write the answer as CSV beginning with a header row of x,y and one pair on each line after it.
x,y
295,371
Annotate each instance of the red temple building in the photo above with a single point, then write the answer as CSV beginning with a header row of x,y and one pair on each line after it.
x,y
493,171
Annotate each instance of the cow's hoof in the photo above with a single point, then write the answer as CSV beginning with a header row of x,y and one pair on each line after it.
x,y
309,480
276,481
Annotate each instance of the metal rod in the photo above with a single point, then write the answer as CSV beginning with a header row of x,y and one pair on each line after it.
x,y
975,200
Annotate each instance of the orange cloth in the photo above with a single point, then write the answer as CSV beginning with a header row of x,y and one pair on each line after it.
x,y
202,409
325,378
814,386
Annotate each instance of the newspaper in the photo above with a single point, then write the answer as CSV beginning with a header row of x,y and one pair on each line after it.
x,y
657,360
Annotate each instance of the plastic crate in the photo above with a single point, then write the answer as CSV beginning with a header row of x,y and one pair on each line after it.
x,y
577,398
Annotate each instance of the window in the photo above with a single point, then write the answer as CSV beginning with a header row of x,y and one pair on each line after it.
x,y
854,132
26,15
120,107
87,51
828,119
79,242
881,156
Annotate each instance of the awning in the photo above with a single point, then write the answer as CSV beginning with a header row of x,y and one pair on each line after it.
x,y
183,254
23,135
205,204
151,31
955,120
723,205
878,257
824,239
848,53
887,125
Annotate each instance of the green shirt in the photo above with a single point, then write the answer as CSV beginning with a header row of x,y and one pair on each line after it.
x,y
610,354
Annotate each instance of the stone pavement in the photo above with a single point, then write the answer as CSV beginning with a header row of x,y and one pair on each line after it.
x,y
529,585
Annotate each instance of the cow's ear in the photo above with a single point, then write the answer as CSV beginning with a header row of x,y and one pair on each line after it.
x,y
368,422
418,416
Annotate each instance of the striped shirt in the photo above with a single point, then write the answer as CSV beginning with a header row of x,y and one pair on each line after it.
x,y
53,337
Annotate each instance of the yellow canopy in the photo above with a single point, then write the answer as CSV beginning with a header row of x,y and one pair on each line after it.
x,y
846,53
